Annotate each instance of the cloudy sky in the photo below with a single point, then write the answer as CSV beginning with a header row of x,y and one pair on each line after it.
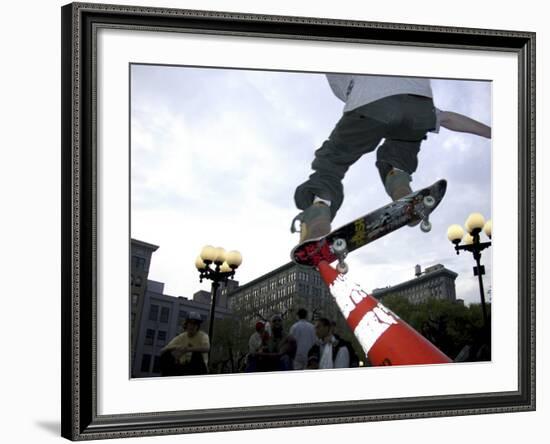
x,y
216,155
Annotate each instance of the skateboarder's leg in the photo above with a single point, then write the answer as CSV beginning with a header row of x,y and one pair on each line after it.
x,y
353,136
396,161
397,158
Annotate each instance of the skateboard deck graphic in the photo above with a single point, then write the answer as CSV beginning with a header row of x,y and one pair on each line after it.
x,y
372,226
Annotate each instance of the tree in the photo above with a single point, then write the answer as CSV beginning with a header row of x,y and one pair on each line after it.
x,y
229,345
449,325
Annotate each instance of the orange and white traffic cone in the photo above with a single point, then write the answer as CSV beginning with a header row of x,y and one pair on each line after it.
x,y
385,338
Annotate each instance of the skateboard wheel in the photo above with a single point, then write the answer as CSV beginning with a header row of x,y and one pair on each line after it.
x,y
342,267
429,201
425,226
339,246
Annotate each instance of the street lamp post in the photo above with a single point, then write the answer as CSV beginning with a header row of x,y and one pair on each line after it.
x,y
218,266
474,225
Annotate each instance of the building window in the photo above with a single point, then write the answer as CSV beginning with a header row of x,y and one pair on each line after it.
x,y
138,263
133,320
138,281
164,315
182,315
145,363
161,338
135,299
149,336
153,312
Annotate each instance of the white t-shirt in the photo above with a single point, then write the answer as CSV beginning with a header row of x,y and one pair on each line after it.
x,y
341,359
357,90
255,342
183,340
304,333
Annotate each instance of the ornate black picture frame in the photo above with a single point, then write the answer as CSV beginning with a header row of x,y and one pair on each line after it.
x,y
80,418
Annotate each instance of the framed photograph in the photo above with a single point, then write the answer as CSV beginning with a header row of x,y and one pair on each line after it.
x,y
187,131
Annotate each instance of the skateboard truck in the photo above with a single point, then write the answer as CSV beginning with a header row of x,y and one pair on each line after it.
x,y
429,202
340,249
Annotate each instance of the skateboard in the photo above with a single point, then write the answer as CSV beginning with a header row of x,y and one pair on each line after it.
x,y
412,208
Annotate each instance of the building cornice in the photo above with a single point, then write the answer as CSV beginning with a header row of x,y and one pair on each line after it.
x,y
445,272
145,244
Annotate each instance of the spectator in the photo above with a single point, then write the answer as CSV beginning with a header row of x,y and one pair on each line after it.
x,y
304,333
280,348
256,344
187,353
353,357
329,352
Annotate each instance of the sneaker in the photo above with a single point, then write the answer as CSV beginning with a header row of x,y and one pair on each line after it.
x,y
314,222
397,186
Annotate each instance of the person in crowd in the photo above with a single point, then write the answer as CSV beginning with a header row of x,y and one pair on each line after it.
x,y
256,344
328,352
353,357
304,333
280,349
187,353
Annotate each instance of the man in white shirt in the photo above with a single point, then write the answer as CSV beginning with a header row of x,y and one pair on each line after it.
x,y
304,333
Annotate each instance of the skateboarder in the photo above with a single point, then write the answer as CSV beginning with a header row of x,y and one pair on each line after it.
x,y
397,109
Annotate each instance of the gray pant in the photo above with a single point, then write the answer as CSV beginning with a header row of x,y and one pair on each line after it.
x,y
402,120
